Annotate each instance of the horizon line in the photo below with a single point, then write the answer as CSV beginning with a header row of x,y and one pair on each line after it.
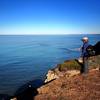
x,y
58,34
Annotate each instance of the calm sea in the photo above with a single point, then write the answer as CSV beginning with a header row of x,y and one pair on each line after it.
x,y
28,57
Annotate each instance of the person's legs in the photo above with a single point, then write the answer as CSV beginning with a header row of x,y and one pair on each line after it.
x,y
85,65
82,68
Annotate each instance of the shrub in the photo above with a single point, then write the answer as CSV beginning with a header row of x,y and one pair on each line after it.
x,y
70,65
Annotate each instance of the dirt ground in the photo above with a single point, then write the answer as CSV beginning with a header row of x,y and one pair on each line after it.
x,y
79,87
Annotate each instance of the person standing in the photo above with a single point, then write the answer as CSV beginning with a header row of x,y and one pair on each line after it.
x,y
84,68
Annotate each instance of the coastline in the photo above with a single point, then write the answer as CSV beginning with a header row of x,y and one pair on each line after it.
x,y
67,84
23,58
71,67
68,70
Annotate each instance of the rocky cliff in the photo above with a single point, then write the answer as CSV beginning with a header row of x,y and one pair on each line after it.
x,y
66,83
71,68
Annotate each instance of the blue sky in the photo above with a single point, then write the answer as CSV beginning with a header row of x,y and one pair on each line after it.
x,y
49,16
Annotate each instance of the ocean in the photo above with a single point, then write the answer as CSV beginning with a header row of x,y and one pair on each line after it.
x,y
28,57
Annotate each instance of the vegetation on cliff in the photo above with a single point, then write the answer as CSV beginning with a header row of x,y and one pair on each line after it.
x,y
65,82
69,84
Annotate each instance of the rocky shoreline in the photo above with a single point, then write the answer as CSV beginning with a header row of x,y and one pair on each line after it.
x,y
65,82
78,87
70,68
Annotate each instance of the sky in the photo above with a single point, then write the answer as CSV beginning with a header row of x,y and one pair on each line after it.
x,y
49,17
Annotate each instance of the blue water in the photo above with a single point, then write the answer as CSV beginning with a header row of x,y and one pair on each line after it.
x,y
29,57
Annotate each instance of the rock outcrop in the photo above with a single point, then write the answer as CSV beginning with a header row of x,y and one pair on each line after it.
x,y
65,82
70,68
69,84
67,68
78,87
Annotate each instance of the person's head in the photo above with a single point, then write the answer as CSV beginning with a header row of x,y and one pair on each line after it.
x,y
85,39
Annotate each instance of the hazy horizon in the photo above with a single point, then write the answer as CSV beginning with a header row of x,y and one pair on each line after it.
x,y
55,34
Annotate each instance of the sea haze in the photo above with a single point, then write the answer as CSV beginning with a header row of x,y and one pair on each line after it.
x,y
28,57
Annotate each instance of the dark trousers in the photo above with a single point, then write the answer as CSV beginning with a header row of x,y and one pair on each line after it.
x,y
84,68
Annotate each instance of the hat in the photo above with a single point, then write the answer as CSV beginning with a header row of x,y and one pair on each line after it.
x,y
85,38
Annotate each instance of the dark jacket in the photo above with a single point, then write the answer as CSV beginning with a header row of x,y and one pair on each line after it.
x,y
84,51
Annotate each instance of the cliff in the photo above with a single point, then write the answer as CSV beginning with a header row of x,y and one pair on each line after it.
x,y
66,83
71,67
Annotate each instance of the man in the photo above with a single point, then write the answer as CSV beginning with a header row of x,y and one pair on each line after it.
x,y
85,55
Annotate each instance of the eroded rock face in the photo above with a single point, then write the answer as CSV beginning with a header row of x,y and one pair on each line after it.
x,y
61,70
94,62
79,87
72,73
51,75
71,68
14,98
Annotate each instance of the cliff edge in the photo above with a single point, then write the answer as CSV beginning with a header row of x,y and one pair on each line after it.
x,y
66,83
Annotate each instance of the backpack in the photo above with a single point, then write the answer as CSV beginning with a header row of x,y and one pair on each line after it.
x,y
97,48
90,50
